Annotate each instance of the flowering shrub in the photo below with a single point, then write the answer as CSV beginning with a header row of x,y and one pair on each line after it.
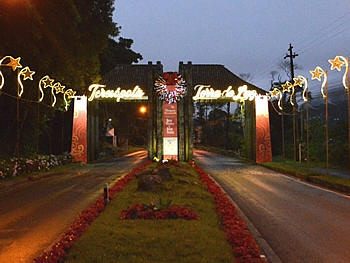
x,y
142,211
18,166
59,250
244,247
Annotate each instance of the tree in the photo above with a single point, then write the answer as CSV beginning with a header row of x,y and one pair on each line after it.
x,y
60,38
118,53
67,47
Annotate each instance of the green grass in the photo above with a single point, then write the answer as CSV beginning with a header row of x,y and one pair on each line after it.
x,y
110,239
292,168
310,164
335,180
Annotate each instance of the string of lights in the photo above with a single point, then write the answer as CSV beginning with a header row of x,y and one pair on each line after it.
x,y
45,82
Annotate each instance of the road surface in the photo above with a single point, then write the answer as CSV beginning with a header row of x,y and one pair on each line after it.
x,y
300,222
33,215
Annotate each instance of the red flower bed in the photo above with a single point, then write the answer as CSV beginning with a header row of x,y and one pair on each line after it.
x,y
58,251
243,244
141,211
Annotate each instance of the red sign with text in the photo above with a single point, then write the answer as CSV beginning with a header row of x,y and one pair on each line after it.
x,y
170,129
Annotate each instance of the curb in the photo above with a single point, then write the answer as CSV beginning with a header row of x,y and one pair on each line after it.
x,y
313,180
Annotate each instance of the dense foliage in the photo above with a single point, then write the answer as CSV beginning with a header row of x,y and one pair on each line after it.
x,y
67,40
215,125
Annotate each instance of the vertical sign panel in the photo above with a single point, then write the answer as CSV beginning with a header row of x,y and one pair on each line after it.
x,y
79,133
263,139
170,141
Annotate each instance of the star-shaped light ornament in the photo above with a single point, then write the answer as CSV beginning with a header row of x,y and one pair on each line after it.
x,y
68,94
59,88
27,73
48,82
286,87
317,73
14,63
336,63
298,81
275,92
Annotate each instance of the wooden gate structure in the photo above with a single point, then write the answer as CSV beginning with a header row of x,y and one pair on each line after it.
x,y
85,141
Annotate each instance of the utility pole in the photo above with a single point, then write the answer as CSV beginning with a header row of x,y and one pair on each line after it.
x,y
291,56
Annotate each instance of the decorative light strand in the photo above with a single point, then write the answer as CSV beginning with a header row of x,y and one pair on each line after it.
x,y
337,63
68,94
27,74
275,93
317,73
304,81
14,64
2,80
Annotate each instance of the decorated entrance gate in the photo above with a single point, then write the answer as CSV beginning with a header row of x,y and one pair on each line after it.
x,y
170,97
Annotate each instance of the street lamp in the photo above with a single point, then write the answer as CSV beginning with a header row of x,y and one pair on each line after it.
x,y
143,109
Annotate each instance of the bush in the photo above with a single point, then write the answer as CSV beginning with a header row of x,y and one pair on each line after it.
x,y
21,166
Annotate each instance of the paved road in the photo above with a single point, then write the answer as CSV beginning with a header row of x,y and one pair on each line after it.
x,y
33,215
301,223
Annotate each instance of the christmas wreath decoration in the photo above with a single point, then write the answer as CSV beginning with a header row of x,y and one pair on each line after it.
x,y
170,95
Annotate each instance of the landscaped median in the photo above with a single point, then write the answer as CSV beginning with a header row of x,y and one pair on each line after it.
x,y
170,212
328,181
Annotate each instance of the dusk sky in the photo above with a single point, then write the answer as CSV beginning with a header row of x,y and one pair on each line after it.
x,y
245,36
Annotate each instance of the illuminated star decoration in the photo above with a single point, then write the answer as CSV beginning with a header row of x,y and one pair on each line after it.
x,y
45,82
317,74
337,63
68,94
286,87
58,88
299,81
14,63
274,94
27,74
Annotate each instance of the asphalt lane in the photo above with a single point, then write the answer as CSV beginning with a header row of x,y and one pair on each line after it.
x,y
300,222
33,215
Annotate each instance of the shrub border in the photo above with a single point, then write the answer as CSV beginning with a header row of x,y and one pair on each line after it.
x,y
59,250
244,247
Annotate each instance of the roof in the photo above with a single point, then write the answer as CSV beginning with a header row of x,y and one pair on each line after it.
x,y
128,76
216,76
